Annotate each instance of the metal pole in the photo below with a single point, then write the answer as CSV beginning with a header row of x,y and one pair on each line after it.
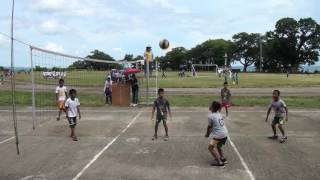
x,y
156,76
148,76
33,92
225,60
260,44
13,88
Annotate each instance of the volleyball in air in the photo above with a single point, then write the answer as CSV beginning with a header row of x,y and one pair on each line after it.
x,y
164,44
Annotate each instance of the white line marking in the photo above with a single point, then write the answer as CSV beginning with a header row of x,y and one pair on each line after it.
x,y
195,111
244,164
6,140
105,148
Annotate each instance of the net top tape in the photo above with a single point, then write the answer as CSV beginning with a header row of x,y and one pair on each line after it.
x,y
79,58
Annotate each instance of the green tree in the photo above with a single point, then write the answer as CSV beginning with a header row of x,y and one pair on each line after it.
x,y
128,57
292,44
96,54
175,58
211,51
139,57
246,48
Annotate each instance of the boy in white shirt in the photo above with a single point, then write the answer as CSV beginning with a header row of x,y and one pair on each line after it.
x,y
219,133
108,90
73,110
61,96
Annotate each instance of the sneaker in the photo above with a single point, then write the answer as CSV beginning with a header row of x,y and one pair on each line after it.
x,y
74,138
217,164
273,137
224,160
166,138
154,138
283,139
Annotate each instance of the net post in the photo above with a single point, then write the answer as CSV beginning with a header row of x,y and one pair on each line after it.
x,y
13,88
33,92
156,76
148,76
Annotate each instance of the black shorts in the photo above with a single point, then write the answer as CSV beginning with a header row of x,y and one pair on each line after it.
x,y
161,118
108,93
72,121
221,142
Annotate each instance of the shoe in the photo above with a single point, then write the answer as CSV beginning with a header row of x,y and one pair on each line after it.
x,y
224,160
74,138
218,164
273,137
166,138
283,139
154,138
58,118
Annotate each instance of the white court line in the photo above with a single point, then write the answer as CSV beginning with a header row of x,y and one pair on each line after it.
x,y
244,164
195,111
6,140
105,148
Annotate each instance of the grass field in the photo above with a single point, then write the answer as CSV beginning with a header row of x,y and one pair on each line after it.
x,y
204,80
91,100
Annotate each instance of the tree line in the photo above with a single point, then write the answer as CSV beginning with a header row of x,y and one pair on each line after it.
x,y
291,44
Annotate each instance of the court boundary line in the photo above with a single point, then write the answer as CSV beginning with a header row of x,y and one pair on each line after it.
x,y
243,162
7,140
195,111
105,148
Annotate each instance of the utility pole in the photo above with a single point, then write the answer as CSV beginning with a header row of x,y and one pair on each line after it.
x,y
225,60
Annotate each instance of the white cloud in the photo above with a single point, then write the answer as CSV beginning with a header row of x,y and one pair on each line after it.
x,y
52,27
4,41
54,47
67,8
116,49
166,4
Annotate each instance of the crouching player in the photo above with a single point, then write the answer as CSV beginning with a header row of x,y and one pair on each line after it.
x,y
219,133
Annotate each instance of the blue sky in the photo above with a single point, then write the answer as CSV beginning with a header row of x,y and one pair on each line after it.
x,y
118,27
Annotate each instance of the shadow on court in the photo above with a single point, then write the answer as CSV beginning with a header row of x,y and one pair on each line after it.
x,y
115,143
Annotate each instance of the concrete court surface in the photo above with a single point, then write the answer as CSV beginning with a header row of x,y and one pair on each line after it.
x,y
115,144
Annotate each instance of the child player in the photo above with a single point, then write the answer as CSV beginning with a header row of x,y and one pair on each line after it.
x,y
73,110
61,96
163,107
219,134
225,97
280,108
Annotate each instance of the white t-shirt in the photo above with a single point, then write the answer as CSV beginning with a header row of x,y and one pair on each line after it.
x,y
219,129
72,107
61,91
278,107
107,85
